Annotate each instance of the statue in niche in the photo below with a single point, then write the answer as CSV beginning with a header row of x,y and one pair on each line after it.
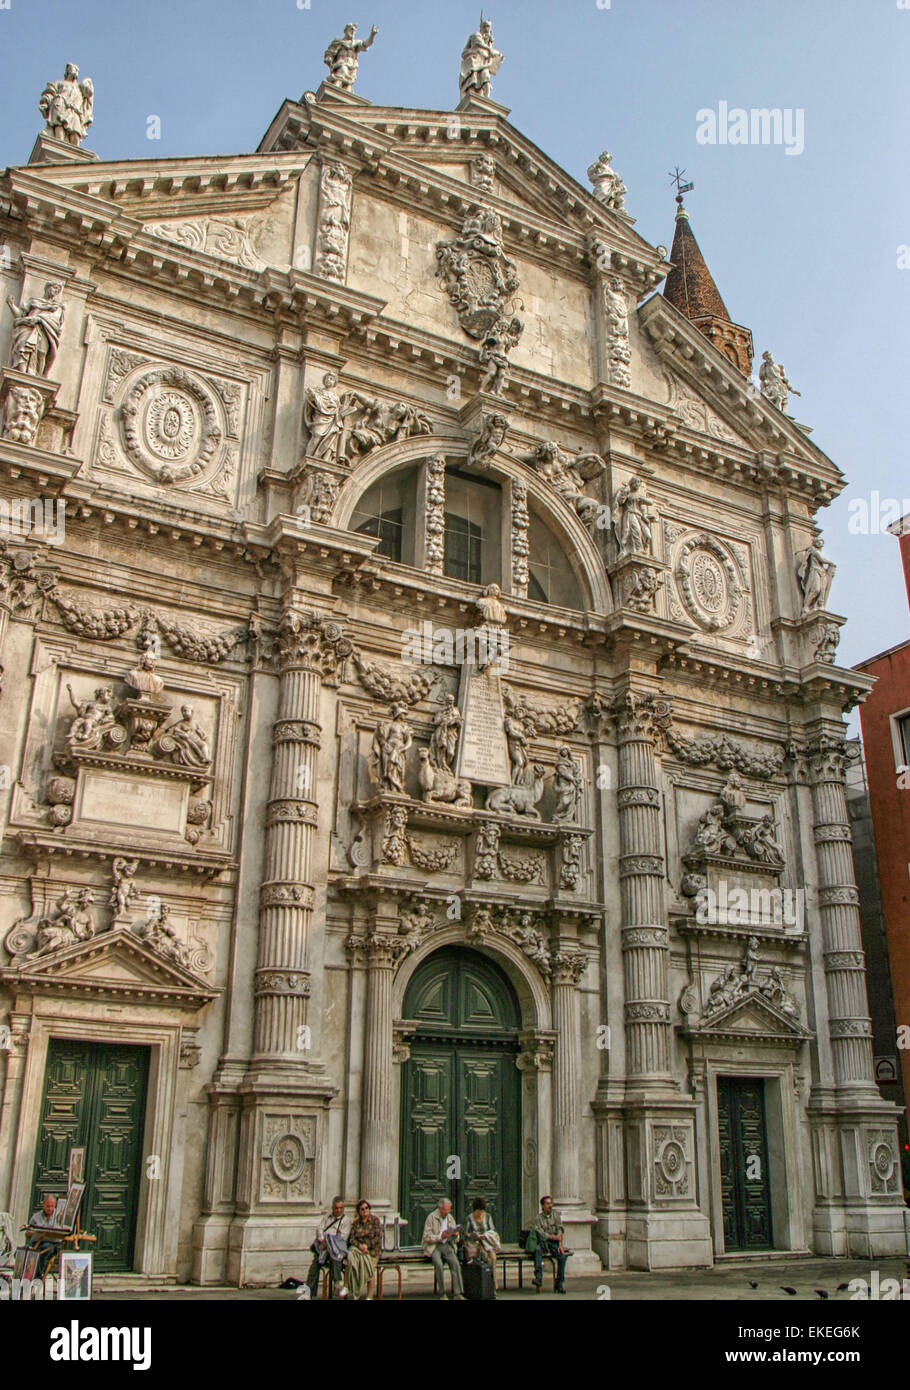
x,y
342,57
185,741
568,785
446,730
391,741
37,326
633,519
815,575
68,106
609,188
480,62
94,720
124,890
324,418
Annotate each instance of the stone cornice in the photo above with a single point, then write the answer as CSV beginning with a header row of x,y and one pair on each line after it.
x,y
794,462
382,139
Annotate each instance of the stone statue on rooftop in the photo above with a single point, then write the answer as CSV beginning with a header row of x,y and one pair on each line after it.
x,y
609,188
480,62
67,106
342,57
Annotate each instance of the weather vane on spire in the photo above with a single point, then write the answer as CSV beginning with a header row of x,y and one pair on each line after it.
x,y
677,177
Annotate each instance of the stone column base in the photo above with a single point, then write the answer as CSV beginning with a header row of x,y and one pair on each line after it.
x,y
579,1226
668,1240
859,1204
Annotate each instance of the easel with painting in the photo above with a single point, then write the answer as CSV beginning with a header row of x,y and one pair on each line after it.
x,y
66,1230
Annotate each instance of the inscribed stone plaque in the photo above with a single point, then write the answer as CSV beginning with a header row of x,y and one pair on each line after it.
x,y
483,754
132,802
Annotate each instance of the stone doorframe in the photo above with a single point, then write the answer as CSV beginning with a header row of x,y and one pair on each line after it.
x,y
537,1041
158,1210
788,1147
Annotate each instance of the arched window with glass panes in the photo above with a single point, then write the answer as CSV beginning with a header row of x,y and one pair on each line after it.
x,y
477,534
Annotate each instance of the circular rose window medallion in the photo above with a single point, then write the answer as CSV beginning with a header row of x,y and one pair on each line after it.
x,y
172,427
708,583
288,1157
883,1160
672,1160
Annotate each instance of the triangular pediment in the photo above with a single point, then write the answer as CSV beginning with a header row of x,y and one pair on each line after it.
x,y
115,963
752,1016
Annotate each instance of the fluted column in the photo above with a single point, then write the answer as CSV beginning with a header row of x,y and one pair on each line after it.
x,y
282,984
568,966
849,1025
379,1133
645,939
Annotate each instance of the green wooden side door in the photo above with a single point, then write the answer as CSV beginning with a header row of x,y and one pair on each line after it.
x,y
745,1186
94,1097
460,1120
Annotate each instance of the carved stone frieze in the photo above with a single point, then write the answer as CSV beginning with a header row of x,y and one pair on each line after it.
x,y
722,752
370,422
227,241
389,686
570,869
333,221
541,720
520,522
102,625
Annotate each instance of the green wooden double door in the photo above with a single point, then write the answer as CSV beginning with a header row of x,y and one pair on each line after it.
x,y
460,1093
745,1185
94,1098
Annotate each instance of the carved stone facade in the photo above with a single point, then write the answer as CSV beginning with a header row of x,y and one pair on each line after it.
x,y
300,435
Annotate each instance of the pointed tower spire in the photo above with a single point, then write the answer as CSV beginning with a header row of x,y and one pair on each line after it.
x,y
690,288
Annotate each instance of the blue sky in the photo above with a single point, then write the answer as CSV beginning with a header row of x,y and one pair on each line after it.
x,y
804,249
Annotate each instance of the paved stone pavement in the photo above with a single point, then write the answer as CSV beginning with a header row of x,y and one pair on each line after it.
x,y
727,1281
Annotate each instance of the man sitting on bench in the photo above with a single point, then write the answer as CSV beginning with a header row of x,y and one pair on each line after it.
x,y
550,1231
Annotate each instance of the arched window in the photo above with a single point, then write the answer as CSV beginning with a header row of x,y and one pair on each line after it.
x,y
476,532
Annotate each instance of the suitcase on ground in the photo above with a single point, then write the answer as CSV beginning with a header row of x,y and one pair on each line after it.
x,y
478,1281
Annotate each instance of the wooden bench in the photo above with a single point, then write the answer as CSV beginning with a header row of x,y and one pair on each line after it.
x,y
520,1258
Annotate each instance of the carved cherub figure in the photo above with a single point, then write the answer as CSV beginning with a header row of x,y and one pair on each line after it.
x,y
124,890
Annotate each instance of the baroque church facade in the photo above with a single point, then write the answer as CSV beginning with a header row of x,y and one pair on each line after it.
x,y
433,650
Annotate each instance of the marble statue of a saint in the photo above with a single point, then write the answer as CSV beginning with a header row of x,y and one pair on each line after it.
x,y
444,739
342,57
37,325
773,382
324,419
68,106
391,741
480,62
634,519
192,746
609,188
814,574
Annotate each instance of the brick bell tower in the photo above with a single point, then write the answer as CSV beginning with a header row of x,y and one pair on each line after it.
x,y
690,288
